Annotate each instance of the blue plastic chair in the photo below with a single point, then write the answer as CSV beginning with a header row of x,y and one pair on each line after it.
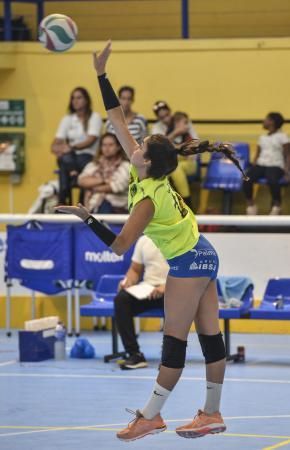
x,y
102,304
223,175
276,301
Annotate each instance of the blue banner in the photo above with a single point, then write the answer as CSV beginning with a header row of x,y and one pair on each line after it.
x,y
93,258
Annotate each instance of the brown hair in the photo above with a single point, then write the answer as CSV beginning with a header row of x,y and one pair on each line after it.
x,y
114,137
88,107
195,147
163,154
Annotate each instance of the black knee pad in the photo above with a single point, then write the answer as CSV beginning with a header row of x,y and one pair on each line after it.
x,y
173,352
213,347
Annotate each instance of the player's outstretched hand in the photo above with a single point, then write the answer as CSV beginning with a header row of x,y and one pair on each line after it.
x,y
78,210
100,59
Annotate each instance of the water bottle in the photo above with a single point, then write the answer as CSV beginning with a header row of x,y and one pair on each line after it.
x,y
59,344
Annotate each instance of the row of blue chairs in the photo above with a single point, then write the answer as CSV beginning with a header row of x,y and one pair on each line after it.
x,y
275,305
223,175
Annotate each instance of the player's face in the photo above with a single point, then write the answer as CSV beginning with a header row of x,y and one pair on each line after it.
x,y
164,115
109,147
137,158
126,100
78,101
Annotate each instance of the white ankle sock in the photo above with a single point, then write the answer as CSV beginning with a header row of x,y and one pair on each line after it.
x,y
213,397
155,403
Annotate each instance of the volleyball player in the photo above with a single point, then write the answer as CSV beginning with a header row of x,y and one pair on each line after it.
x,y
190,293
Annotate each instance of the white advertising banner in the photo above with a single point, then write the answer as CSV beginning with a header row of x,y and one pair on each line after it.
x,y
259,256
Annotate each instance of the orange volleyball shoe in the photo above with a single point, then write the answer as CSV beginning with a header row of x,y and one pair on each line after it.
x,y
140,427
202,425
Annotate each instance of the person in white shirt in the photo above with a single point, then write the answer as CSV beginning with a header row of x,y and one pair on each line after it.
x,y
178,128
272,161
137,124
76,141
149,266
105,180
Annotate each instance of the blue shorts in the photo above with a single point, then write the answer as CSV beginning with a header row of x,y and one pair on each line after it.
x,y
201,261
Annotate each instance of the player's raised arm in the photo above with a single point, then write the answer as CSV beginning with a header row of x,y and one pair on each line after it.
x,y
111,102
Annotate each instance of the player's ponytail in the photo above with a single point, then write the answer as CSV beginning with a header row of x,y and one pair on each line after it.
x,y
195,146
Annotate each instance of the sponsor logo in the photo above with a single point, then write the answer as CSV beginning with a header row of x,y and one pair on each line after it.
x,y
105,256
174,268
195,252
202,266
202,252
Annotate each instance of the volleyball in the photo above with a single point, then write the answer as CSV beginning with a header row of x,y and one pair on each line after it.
x,y
57,32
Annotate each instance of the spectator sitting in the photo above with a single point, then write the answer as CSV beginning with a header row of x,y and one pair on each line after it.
x,y
178,129
271,161
147,261
106,179
76,141
164,124
137,123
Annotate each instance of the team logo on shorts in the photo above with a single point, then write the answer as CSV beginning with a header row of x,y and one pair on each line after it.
x,y
195,252
202,252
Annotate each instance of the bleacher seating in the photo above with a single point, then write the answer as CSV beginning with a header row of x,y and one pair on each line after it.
x,y
223,175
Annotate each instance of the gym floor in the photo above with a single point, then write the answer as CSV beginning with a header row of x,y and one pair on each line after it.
x,y
76,404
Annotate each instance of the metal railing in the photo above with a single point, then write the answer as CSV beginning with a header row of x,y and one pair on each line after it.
x,y
223,220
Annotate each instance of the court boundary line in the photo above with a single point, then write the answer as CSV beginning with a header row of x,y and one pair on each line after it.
x,y
278,416
134,377
111,427
280,444
245,435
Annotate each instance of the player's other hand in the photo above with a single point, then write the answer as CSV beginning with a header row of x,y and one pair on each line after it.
x,y
79,210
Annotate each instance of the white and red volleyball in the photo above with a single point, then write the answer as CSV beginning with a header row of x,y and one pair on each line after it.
x,y
57,32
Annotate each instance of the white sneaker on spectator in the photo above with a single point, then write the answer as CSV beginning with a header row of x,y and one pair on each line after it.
x,y
275,211
252,210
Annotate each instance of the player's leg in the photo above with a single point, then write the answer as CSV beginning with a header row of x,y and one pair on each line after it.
x,y
209,420
182,297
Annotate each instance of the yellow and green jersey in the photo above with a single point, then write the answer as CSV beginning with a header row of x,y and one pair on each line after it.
x,y
173,227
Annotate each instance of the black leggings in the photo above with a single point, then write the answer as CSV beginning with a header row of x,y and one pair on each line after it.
x,y
126,307
272,175
67,163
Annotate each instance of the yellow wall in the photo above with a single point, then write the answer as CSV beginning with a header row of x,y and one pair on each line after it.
x,y
161,19
219,79
239,18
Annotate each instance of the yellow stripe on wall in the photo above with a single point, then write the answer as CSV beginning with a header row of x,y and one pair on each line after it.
x,y
56,306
